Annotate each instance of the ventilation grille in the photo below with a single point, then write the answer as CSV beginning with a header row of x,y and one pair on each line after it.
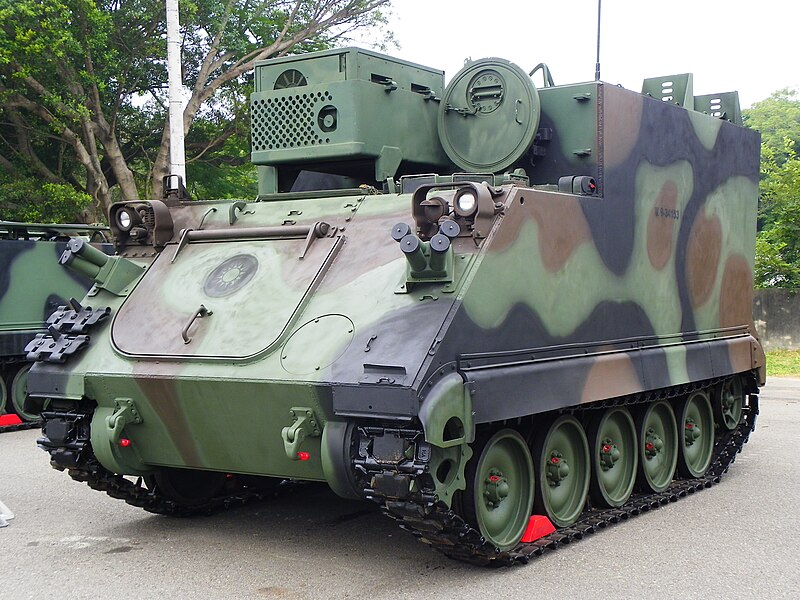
x,y
288,121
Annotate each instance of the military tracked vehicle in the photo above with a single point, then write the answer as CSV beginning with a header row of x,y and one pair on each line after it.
x,y
33,285
492,307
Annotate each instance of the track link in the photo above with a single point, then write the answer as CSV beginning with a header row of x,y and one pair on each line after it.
x,y
136,493
20,426
446,531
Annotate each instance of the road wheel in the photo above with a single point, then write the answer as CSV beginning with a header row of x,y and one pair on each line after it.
x,y
658,446
728,401
19,389
499,492
696,433
612,439
188,487
3,395
561,459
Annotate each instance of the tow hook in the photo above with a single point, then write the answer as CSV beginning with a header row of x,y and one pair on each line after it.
x,y
305,425
124,413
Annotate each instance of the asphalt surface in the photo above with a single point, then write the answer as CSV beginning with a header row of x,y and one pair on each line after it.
x,y
738,539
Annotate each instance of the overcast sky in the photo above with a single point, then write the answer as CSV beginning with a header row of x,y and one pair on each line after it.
x,y
749,46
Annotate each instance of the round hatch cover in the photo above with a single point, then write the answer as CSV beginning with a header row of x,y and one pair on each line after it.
x,y
489,115
317,344
230,275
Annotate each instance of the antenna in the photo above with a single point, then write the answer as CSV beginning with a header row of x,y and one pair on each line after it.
x,y
597,64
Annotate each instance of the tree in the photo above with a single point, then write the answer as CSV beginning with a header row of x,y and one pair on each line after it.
x,y
778,240
29,200
778,119
82,82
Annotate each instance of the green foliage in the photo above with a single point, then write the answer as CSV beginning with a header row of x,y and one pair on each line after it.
x,y
56,41
783,363
83,96
772,269
220,169
778,241
778,120
29,200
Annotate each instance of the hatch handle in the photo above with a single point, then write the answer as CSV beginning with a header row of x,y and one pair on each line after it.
x,y
184,239
310,232
236,207
198,314
318,230
205,214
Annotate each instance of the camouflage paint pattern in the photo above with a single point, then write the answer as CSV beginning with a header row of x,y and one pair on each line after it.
x,y
33,285
568,299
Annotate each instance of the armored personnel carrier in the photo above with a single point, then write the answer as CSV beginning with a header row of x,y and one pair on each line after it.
x,y
496,309
33,285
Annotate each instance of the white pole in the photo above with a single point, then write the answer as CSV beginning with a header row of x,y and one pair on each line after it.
x,y
177,157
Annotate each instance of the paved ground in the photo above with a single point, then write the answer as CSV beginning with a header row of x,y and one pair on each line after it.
x,y
738,539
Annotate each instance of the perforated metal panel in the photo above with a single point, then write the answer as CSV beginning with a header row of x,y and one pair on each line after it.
x,y
288,121
341,110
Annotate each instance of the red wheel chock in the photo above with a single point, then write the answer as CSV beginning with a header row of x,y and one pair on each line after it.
x,y
538,527
9,420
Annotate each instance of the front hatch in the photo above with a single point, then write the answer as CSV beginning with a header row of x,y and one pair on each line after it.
x,y
221,299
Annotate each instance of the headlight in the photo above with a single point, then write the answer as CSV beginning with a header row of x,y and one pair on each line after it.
x,y
465,203
126,218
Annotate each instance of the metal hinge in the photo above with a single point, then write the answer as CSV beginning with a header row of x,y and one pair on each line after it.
x,y
305,425
125,413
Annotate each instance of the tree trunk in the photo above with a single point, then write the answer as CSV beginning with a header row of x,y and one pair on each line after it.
x,y
161,164
119,165
91,214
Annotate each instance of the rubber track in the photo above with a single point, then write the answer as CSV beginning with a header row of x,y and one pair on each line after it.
x,y
137,494
447,532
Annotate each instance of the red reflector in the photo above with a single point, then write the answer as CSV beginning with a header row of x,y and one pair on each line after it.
x,y
124,442
303,455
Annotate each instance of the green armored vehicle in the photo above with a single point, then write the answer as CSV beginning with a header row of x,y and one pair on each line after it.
x,y
32,286
492,308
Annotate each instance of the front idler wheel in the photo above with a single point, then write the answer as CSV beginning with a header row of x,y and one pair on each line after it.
x,y
658,446
615,457
561,455
3,395
499,492
19,389
696,423
188,487
727,404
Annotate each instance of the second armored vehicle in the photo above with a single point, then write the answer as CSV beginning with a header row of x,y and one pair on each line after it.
x,y
32,286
